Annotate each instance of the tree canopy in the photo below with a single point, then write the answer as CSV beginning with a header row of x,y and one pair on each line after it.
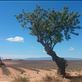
x,y
50,26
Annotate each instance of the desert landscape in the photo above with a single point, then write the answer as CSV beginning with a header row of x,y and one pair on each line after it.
x,y
33,30
39,71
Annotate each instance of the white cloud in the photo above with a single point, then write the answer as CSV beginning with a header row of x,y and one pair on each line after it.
x,y
15,39
71,49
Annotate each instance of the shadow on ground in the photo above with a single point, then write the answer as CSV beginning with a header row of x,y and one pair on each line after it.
x,y
75,78
5,70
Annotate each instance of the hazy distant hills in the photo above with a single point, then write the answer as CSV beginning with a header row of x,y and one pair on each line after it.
x,y
43,58
49,58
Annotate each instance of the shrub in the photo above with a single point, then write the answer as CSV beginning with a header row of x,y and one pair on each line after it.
x,y
54,79
20,79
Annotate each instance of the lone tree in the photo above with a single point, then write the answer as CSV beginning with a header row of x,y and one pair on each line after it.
x,y
51,27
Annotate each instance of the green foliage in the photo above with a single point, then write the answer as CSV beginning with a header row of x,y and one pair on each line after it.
x,y
50,26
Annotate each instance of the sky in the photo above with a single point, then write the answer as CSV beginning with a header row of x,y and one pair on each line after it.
x,y
16,42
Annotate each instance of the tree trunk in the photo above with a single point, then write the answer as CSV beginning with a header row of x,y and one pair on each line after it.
x,y
1,63
61,62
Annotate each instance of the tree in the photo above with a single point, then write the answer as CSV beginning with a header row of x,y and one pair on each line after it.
x,y
1,63
51,27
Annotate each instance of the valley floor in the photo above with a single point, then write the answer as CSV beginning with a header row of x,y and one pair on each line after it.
x,y
36,70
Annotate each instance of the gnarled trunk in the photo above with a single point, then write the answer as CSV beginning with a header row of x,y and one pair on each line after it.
x,y
61,62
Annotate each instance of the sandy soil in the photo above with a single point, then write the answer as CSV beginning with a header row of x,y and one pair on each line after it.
x,y
35,70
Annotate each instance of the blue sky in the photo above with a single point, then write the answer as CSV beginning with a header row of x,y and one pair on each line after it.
x,y
15,42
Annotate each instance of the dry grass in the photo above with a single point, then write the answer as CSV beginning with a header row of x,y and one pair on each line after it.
x,y
75,78
49,78
40,71
20,79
